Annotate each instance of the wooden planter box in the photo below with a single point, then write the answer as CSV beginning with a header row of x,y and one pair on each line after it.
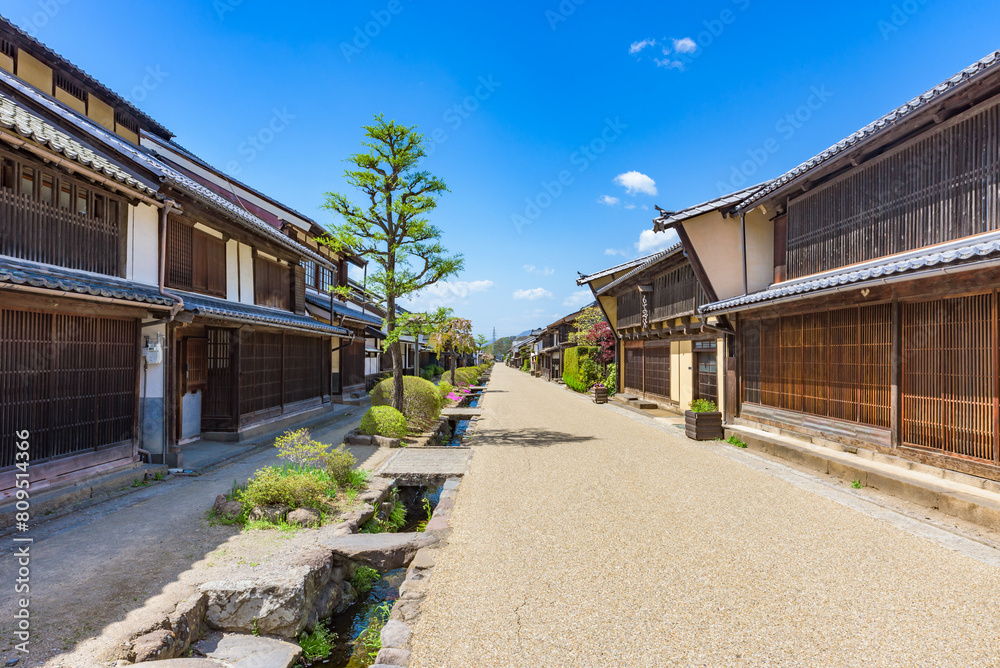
x,y
703,426
600,395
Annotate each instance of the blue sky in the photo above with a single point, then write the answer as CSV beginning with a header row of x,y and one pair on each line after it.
x,y
559,124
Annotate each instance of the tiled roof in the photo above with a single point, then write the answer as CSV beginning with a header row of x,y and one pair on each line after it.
x,y
986,245
342,308
21,272
650,261
612,270
166,173
91,81
960,80
214,307
732,199
20,120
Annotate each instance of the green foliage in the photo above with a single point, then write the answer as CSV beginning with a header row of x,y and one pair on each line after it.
x,y
427,374
444,388
857,484
611,381
526,366
339,466
421,400
371,638
297,487
703,406
584,323
384,421
298,447
363,579
318,644
422,526
387,522
735,440
468,375
579,369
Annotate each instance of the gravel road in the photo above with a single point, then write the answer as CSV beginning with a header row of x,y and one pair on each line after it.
x,y
586,538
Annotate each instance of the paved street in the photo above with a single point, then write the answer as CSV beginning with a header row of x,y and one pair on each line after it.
x,y
584,537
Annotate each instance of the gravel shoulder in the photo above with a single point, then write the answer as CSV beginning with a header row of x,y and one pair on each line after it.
x,y
98,575
584,537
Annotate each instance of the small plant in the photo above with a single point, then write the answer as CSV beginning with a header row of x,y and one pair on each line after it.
x,y
159,475
389,522
857,484
734,440
356,479
363,579
235,490
383,421
703,406
299,448
339,464
296,487
140,482
255,630
422,526
318,644
371,637
444,388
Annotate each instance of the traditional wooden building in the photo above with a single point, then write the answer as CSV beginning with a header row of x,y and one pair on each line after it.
x,y
145,299
554,340
668,352
874,318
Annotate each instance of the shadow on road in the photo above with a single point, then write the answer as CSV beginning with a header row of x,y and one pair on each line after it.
x,y
528,438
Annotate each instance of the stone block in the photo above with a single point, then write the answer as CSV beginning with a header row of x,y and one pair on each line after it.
x,y
395,635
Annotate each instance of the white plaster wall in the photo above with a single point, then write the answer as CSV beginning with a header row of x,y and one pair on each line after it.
x,y
232,270
143,264
246,274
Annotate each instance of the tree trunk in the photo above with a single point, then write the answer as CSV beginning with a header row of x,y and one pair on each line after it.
x,y
451,365
397,357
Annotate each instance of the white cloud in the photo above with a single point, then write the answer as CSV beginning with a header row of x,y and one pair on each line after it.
x,y
685,45
579,298
532,294
651,242
636,182
446,293
615,251
645,208
630,206
608,200
639,46
670,64
544,271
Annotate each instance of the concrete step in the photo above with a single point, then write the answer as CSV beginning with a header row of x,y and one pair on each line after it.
x,y
969,498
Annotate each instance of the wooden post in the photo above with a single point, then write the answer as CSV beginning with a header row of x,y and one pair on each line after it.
x,y
896,372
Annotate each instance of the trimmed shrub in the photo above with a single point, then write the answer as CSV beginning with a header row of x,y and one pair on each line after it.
x,y
579,370
339,466
294,487
445,388
421,400
427,374
467,375
383,421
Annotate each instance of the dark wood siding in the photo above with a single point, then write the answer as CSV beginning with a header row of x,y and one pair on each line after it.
x,y
656,369
278,369
352,363
675,293
48,217
70,380
633,368
833,364
629,309
272,284
196,261
941,187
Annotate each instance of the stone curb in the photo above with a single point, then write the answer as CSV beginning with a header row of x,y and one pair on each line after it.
x,y
944,496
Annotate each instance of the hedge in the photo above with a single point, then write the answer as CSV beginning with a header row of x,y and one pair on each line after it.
x,y
571,366
421,400
383,421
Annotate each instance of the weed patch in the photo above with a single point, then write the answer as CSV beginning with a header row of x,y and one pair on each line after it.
x,y
318,644
734,440
363,579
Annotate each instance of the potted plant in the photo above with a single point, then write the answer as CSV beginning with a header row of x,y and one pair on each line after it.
x,y
600,394
703,422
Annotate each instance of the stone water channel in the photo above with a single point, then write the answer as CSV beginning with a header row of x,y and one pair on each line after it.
x,y
461,427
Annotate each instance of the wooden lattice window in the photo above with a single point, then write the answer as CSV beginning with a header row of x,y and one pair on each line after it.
x,y
126,121
196,261
65,83
272,284
706,370
834,364
656,369
8,48
949,356
629,309
70,380
83,230
633,368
